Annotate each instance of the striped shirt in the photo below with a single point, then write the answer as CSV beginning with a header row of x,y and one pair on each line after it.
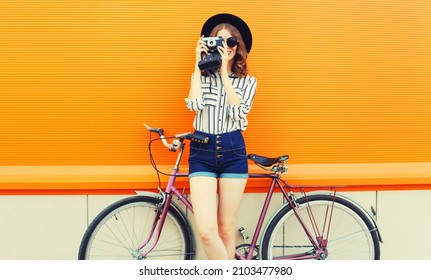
x,y
213,113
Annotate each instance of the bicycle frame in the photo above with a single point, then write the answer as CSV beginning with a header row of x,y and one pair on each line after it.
x,y
153,226
276,181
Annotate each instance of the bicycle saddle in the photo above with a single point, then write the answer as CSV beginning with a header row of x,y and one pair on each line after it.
x,y
266,161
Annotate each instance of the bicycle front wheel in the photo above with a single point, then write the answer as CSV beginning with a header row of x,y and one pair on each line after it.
x,y
345,230
122,228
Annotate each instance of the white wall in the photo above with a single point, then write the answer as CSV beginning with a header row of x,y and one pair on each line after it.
x,y
51,227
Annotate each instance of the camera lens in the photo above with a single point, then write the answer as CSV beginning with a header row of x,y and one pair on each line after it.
x,y
231,42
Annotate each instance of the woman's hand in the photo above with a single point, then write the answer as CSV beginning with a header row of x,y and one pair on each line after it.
x,y
224,57
201,47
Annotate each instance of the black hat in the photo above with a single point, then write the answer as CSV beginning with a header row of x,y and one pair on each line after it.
x,y
231,19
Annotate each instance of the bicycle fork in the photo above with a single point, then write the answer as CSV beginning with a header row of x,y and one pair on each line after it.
x,y
156,229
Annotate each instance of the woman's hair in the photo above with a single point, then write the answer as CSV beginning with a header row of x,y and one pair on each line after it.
x,y
239,67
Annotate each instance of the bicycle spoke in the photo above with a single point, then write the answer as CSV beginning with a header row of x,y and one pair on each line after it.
x,y
119,232
344,234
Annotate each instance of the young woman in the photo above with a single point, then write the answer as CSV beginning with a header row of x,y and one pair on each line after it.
x,y
222,100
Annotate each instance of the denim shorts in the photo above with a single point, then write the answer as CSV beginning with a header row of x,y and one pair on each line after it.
x,y
224,156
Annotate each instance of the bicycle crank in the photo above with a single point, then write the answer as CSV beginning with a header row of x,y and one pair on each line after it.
x,y
244,249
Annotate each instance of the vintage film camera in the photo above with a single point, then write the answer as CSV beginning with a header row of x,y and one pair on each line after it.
x,y
213,59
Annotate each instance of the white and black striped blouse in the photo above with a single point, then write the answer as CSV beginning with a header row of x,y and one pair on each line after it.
x,y
213,114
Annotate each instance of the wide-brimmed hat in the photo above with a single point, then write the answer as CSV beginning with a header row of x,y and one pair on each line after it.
x,y
233,20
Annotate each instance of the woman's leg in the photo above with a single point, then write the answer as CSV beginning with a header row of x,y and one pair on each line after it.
x,y
204,200
230,194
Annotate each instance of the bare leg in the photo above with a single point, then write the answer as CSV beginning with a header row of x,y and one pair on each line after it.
x,y
204,199
230,194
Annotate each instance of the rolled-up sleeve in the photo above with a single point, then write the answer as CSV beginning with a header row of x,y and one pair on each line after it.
x,y
246,95
196,104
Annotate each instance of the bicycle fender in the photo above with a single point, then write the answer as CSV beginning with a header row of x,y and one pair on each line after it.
x,y
150,194
369,214
161,196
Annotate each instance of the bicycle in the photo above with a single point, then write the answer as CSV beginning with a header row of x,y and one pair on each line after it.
x,y
312,225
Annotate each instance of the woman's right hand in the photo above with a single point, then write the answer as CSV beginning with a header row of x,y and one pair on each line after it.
x,y
201,47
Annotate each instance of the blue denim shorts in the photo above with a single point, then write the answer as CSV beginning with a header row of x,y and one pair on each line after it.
x,y
224,156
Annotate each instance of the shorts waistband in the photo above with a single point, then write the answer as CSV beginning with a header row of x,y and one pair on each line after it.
x,y
213,136
221,142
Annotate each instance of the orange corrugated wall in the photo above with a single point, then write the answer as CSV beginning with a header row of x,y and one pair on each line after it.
x,y
341,81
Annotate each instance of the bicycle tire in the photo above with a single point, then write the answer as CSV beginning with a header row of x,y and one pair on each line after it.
x,y
118,231
352,235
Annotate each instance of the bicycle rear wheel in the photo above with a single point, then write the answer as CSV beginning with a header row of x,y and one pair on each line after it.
x,y
119,230
352,236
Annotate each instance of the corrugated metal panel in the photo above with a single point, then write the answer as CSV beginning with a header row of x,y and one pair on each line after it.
x,y
338,81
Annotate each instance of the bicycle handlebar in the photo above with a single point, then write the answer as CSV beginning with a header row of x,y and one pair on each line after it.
x,y
174,146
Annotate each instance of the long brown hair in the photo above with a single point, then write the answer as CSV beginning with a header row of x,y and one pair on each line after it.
x,y
239,67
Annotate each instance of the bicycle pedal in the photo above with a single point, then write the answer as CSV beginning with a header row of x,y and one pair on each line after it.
x,y
243,233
